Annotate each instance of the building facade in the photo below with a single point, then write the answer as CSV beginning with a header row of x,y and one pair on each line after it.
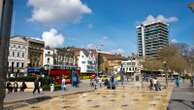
x,y
109,63
131,66
18,55
48,56
152,37
87,61
64,56
35,52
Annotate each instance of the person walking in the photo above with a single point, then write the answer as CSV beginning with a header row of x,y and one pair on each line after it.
x,y
155,84
23,86
192,81
158,85
15,86
177,82
9,87
63,86
36,85
151,84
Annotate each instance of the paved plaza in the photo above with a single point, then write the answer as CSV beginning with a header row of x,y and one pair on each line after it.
x,y
127,98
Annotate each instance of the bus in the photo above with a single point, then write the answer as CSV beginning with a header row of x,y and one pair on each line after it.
x,y
87,75
56,72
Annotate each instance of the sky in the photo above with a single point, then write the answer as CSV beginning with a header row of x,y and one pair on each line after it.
x,y
109,25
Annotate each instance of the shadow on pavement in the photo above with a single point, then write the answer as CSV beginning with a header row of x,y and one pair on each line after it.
x,y
184,102
27,103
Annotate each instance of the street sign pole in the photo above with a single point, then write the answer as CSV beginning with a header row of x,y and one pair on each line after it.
x,y
6,8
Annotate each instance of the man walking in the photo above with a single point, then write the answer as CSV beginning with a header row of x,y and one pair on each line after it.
x,y
36,85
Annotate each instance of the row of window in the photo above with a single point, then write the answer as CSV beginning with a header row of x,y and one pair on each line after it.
x,y
16,54
17,46
89,62
16,64
129,69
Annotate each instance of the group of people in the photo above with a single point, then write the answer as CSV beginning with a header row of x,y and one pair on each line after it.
x,y
155,84
109,82
15,86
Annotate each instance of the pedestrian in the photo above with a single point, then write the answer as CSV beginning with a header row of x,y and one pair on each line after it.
x,y
91,83
100,82
52,87
151,84
9,87
23,86
74,79
155,84
36,85
127,76
15,86
112,81
191,80
63,86
122,80
177,82
158,85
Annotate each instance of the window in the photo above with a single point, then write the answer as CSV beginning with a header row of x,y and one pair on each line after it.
x,y
18,55
12,64
18,64
18,46
49,52
22,65
23,55
48,60
13,54
83,62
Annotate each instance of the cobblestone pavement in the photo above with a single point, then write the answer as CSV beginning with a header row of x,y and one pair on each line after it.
x,y
182,98
127,98
21,96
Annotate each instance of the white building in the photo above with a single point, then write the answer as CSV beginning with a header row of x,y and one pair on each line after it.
x,y
86,60
48,56
131,66
18,55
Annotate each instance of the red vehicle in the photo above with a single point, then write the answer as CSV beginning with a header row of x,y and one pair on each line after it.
x,y
58,71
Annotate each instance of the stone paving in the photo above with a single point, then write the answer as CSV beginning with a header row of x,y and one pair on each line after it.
x,y
127,98
182,98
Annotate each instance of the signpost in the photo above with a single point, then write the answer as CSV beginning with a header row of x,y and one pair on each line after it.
x,y
6,8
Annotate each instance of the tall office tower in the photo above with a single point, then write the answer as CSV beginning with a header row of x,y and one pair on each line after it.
x,y
152,37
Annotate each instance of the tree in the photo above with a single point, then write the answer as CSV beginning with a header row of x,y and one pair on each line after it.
x,y
151,64
173,58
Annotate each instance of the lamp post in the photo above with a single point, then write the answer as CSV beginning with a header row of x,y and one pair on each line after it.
x,y
6,8
166,75
97,46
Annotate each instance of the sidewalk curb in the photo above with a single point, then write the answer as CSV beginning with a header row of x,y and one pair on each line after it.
x,y
46,97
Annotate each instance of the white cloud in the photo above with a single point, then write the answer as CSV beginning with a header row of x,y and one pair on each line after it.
x,y
91,46
174,41
52,38
119,51
49,11
150,19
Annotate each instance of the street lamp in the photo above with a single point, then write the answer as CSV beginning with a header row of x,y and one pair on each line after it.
x,y
166,75
6,8
191,6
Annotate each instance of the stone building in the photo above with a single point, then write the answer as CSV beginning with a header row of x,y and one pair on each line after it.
x,y
18,55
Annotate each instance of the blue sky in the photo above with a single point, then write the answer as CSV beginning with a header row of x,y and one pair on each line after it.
x,y
86,23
